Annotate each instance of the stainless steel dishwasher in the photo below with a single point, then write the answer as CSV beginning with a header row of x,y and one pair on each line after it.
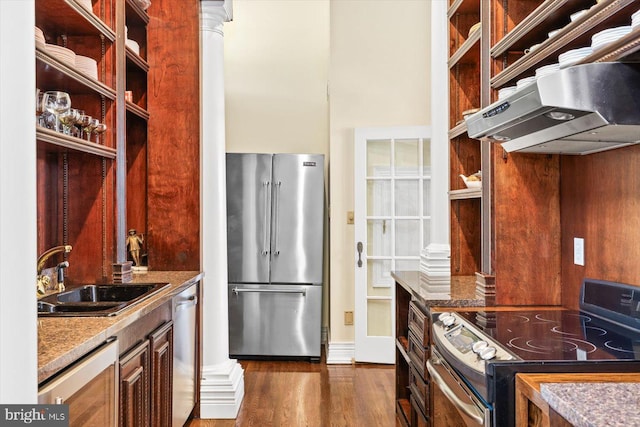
x,y
184,354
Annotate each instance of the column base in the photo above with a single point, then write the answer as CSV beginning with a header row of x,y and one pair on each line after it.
x,y
221,390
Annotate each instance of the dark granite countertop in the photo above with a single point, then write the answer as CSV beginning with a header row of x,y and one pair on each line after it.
x,y
63,340
595,404
462,294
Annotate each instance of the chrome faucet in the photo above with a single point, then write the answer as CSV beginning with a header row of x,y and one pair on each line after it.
x,y
43,280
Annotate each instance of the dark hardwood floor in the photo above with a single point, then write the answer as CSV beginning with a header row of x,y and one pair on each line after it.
x,y
298,393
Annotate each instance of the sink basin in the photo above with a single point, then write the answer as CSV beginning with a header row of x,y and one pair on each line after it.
x,y
97,300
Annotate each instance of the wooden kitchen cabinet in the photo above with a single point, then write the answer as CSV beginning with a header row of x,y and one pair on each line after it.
x,y
91,193
412,352
161,342
511,232
134,387
146,375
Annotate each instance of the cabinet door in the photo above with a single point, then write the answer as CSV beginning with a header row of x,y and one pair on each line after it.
x,y
161,375
134,387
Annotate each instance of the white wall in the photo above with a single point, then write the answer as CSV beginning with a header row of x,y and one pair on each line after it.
x,y
279,57
18,319
379,76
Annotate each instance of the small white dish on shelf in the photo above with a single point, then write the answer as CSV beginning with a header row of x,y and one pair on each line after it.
x,y
635,19
473,181
133,45
40,40
578,14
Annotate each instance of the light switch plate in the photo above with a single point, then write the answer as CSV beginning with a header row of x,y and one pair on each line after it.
x,y
578,251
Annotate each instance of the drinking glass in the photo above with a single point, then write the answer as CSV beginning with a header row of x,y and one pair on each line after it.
x,y
78,124
99,130
85,121
68,119
88,125
56,103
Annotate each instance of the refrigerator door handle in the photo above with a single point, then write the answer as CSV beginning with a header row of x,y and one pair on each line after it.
x,y
276,251
267,202
237,290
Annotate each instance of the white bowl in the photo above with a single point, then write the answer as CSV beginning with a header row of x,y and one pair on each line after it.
x,y
547,69
133,45
578,14
506,91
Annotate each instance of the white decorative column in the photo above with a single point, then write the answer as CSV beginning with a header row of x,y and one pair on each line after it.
x,y
222,383
436,258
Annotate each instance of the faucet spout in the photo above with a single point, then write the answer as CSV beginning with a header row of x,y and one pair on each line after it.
x,y
49,253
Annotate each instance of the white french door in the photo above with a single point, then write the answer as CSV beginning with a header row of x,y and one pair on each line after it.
x,y
392,177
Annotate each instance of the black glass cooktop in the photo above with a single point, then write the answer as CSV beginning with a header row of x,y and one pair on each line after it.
x,y
557,335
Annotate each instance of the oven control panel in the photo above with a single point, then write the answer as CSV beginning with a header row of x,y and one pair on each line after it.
x,y
466,343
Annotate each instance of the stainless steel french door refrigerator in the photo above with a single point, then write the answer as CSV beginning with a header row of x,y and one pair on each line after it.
x,y
275,213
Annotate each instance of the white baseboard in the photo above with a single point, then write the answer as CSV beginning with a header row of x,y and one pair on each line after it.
x,y
221,390
340,353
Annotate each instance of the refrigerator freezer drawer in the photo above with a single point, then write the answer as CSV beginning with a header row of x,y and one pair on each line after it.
x,y
275,320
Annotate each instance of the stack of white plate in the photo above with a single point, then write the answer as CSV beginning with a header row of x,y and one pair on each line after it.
x,y
87,65
62,53
570,57
133,45
40,42
506,91
609,35
547,69
525,82
635,19
86,4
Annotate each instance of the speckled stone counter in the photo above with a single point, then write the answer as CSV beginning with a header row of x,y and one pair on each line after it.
x,y
462,294
62,340
595,404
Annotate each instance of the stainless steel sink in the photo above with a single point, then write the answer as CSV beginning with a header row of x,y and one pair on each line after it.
x,y
97,300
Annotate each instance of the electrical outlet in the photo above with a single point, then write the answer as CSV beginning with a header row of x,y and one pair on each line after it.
x,y
348,318
350,217
578,251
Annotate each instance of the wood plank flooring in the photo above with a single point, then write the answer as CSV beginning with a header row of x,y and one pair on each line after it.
x,y
298,393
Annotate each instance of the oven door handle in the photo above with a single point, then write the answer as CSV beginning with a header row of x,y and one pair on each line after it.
x,y
470,410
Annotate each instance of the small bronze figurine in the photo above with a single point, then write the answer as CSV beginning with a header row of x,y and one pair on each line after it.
x,y
134,242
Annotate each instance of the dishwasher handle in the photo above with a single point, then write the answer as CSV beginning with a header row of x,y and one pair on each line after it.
x,y
185,303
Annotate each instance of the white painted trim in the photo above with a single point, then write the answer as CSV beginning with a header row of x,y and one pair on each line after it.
x,y
221,390
18,217
341,353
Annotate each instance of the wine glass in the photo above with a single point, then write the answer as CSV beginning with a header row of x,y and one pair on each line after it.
x,y
78,124
85,121
68,119
56,103
99,130
89,125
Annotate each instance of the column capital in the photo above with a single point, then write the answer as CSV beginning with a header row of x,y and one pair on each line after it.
x,y
214,13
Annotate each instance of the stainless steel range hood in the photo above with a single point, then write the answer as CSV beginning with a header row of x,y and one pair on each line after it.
x,y
578,110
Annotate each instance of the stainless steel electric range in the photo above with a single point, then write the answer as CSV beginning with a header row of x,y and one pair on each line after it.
x,y
476,355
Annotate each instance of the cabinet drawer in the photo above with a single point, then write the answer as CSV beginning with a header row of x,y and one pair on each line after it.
x,y
419,324
419,390
418,418
418,354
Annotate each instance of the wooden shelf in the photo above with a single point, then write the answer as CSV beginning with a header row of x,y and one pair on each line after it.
x,y
54,73
53,16
465,193
459,129
138,111
403,412
61,140
136,13
469,51
463,7
136,59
